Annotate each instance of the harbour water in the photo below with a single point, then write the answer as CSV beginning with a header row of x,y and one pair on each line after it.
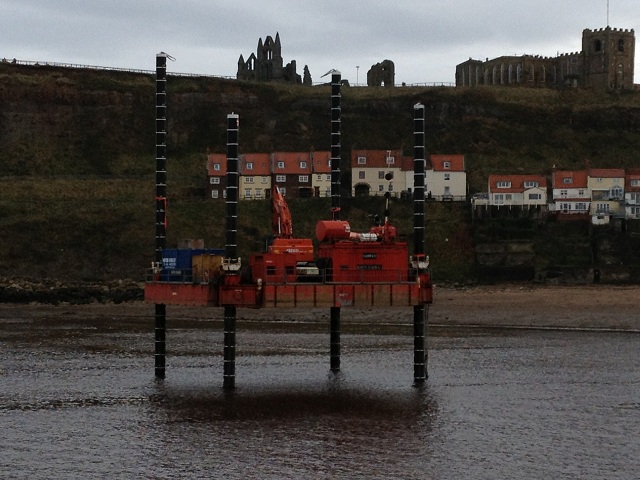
x,y
78,400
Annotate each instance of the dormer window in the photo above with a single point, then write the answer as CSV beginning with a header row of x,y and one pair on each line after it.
x,y
303,165
503,184
280,164
362,160
249,165
530,184
446,165
567,180
391,160
216,166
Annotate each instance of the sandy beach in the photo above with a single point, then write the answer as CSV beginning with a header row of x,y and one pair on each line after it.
x,y
597,307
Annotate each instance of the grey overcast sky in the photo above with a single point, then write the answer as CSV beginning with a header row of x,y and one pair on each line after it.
x,y
425,39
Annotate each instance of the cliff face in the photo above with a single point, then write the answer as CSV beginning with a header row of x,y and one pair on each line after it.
x,y
74,121
77,155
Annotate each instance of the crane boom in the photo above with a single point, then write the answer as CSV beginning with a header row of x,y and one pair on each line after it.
x,y
281,224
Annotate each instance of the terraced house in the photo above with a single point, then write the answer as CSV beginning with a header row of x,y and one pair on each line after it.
x,y
297,174
376,172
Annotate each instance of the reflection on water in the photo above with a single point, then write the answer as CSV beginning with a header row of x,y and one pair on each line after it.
x,y
80,401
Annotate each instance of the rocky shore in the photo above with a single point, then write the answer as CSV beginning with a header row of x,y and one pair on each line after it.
x,y
21,291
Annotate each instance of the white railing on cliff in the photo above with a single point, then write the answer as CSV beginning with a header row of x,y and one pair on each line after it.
x,y
36,63
96,67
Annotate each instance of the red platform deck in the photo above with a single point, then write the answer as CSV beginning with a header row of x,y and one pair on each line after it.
x,y
298,295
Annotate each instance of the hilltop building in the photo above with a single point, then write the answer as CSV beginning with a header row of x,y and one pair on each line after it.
x,y
606,62
267,64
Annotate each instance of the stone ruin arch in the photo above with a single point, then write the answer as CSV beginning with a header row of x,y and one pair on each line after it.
x,y
383,73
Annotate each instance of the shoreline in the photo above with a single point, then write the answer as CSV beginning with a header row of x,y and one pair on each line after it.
x,y
590,307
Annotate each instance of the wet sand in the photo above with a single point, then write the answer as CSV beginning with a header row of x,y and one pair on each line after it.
x,y
597,307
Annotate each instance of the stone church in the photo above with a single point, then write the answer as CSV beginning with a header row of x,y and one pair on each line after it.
x,y
606,62
267,64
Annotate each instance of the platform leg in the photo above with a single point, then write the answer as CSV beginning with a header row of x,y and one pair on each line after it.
x,y
335,339
229,347
420,313
160,334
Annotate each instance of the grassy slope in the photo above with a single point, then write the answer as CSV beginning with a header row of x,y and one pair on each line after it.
x,y
78,155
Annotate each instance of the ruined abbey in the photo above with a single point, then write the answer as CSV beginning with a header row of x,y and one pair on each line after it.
x,y
267,64
605,62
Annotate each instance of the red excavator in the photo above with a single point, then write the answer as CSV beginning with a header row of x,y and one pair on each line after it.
x,y
286,259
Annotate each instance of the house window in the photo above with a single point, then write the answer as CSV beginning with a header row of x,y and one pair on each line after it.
x,y
503,184
635,211
567,180
563,193
602,208
391,160
446,165
447,176
581,192
214,180
535,196
499,199
258,193
280,164
616,192
581,206
380,175
248,179
281,178
635,182
391,187
319,177
530,184
565,207
247,193
361,175
328,177
214,193
303,164
447,191
381,188
265,179
216,166
249,165
508,197
362,160
303,178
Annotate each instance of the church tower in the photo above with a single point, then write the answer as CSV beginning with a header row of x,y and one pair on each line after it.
x,y
608,55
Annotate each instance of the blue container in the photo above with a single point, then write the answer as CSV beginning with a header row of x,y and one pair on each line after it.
x,y
176,262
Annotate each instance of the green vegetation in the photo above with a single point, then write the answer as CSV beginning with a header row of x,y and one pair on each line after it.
x,y
78,161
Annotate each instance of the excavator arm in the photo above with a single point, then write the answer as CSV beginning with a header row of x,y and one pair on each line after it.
x,y
281,221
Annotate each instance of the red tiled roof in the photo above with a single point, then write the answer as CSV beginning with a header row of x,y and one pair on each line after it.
x,y
321,162
292,163
377,158
456,163
606,173
261,163
632,174
517,182
578,179
217,159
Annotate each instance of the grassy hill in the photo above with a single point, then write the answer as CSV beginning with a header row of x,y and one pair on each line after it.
x,y
77,158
